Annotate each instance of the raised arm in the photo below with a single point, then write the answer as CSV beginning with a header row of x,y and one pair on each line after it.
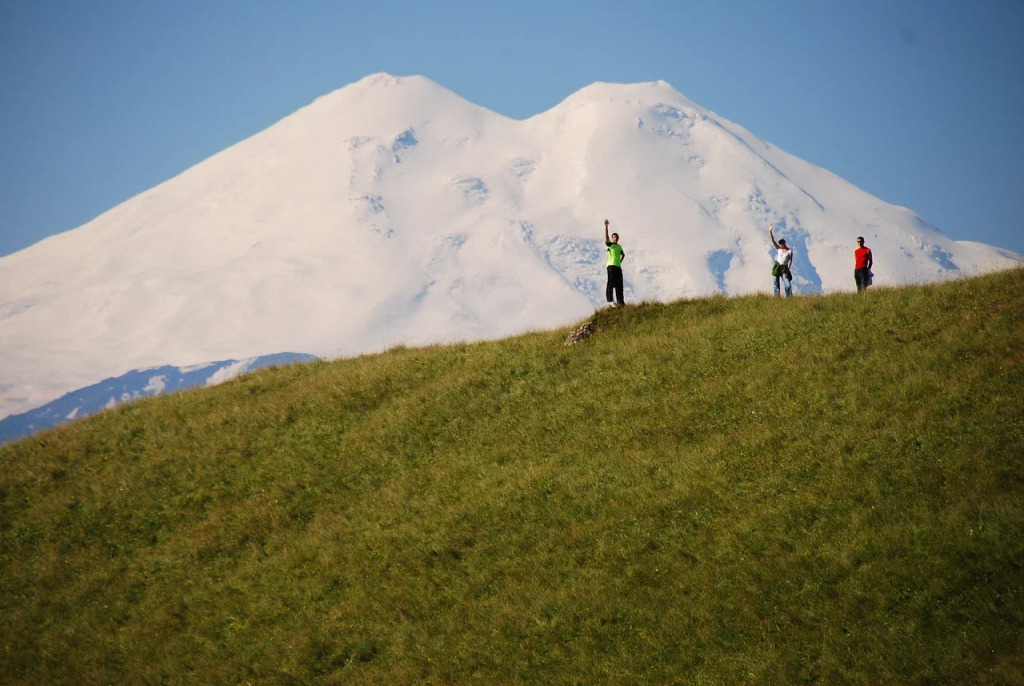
x,y
771,234
607,238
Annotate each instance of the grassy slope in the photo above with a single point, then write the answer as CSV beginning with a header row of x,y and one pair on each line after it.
x,y
739,490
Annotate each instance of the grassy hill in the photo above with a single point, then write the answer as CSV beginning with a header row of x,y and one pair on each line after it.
x,y
719,491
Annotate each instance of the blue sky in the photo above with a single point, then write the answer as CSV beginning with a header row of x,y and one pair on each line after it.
x,y
919,102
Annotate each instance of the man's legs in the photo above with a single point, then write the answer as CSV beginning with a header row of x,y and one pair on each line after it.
x,y
614,283
789,286
776,279
861,277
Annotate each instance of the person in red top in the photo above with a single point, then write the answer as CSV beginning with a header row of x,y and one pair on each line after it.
x,y
862,262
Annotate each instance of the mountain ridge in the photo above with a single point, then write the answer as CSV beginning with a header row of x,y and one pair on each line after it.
x,y
393,211
134,385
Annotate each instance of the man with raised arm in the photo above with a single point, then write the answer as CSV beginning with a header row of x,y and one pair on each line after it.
x,y
615,256
782,264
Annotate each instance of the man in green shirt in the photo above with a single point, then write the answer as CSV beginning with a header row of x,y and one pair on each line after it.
x,y
615,256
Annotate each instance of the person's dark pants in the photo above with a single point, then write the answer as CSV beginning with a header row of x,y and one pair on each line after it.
x,y
614,282
861,277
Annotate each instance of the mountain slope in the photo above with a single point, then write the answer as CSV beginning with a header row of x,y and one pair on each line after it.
x,y
392,211
720,490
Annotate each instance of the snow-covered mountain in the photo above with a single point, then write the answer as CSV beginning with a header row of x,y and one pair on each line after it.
x,y
393,211
142,383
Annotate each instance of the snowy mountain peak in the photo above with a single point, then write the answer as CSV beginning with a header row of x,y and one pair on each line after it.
x,y
394,211
383,80
644,93
611,101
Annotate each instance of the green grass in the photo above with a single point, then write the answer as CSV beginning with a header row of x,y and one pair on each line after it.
x,y
719,491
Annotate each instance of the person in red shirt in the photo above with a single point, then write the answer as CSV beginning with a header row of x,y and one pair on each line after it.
x,y
862,262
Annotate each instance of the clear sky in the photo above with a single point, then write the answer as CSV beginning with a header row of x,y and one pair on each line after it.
x,y
919,102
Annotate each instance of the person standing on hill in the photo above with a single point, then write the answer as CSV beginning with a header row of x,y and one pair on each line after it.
x,y
783,263
615,256
862,262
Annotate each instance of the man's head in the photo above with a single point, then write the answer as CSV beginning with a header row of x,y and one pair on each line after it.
x,y
615,238
782,242
860,241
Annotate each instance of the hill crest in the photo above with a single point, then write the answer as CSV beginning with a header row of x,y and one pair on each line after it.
x,y
719,490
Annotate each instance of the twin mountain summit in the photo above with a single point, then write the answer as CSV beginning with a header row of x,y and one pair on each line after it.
x,y
392,211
